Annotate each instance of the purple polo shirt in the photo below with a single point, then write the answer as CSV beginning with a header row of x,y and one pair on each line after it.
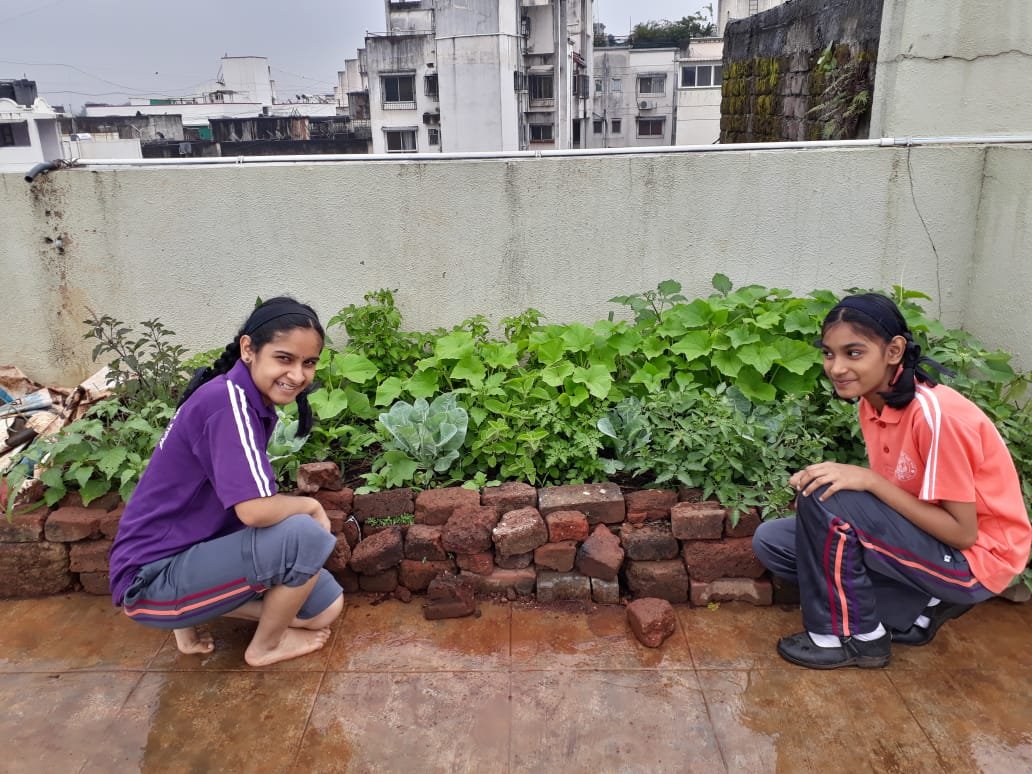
x,y
211,457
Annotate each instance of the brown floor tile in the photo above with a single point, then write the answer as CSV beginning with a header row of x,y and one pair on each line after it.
x,y
978,720
72,631
606,721
394,637
587,637
53,723
232,637
995,634
210,721
431,722
736,635
803,720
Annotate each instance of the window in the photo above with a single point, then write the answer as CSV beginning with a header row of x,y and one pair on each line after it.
x,y
430,86
400,140
541,87
699,76
598,126
519,81
651,84
541,133
598,85
399,91
433,135
615,126
650,127
616,84
6,135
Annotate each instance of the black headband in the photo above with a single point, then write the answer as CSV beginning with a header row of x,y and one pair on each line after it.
x,y
890,323
270,312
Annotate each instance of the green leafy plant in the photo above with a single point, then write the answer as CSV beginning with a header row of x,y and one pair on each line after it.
x,y
391,521
626,425
845,96
145,367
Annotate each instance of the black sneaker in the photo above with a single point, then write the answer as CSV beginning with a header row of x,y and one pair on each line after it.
x,y
800,649
937,615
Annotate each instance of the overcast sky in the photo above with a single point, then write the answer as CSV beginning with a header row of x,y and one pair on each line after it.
x,y
106,50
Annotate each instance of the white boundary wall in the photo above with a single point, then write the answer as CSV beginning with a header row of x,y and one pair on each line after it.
x,y
194,246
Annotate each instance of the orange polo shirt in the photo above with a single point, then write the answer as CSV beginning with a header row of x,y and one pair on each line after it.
x,y
943,447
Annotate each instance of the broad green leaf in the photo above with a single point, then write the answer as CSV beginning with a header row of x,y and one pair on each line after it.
x,y
454,346
722,284
753,387
470,369
578,338
799,321
356,368
422,384
556,373
625,342
669,287
327,403
692,345
728,363
759,356
111,460
498,355
796,356
358,404
576,393
550,351
388,391
792,383
652,375
93,489
82,474
740,336
653,346
596,378
767,320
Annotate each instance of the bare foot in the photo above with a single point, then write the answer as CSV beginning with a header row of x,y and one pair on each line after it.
x,y
293,643
191,640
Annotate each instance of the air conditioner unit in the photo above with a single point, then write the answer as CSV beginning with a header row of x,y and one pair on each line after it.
x,y
647,104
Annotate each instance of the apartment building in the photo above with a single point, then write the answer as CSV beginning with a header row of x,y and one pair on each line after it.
x,y
476,75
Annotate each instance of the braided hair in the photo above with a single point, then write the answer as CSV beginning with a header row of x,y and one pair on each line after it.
x,y
879,318
268,319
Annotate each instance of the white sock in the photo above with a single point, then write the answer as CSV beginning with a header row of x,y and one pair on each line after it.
x,y
876,634
933,602
825,640
923,621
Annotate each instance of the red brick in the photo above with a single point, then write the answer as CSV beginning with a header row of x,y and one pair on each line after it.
x,y
510,496
435,506
688,494
601,503
748,521
650,504
67,525
105,502
339,500
755,592
97,583
423,541
348,580
449,596
652,621
33,569
340,556
89,556
519,532
352,531
369,528
109,521
377,553
556,556
563,586
380,505
567,525
24,526
380,582
468,531
500,581
698,521
514,562
649,542
481,563
313,476
666,579
416,575
601,555
708,560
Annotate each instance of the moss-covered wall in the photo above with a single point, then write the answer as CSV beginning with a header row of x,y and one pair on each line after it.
x,y
776,86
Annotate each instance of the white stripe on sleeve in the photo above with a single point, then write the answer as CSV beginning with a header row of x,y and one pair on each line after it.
x,y
243,423
933,416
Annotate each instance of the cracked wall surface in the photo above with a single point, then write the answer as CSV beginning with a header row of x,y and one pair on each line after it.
x,y
953,67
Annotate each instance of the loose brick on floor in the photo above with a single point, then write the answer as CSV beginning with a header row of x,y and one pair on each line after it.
x,y
601,503
449,596
698,521
435,506
652,620
416,575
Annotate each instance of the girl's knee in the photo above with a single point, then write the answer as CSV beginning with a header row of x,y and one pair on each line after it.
x,y
327,616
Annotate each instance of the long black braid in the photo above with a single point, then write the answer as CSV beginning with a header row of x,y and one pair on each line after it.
x,y
270,318
880,318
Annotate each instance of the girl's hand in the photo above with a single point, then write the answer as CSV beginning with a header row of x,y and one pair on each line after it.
x,y
836,475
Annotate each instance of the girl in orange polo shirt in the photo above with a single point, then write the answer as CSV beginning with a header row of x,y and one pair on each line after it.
x,y
936,524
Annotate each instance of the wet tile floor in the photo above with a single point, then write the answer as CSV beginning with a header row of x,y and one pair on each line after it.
x,y
518,689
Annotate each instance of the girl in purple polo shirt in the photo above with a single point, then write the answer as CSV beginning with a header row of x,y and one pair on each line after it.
x,y
205,534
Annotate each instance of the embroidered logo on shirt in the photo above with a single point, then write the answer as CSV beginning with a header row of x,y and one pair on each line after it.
x,y
905,468
161,443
